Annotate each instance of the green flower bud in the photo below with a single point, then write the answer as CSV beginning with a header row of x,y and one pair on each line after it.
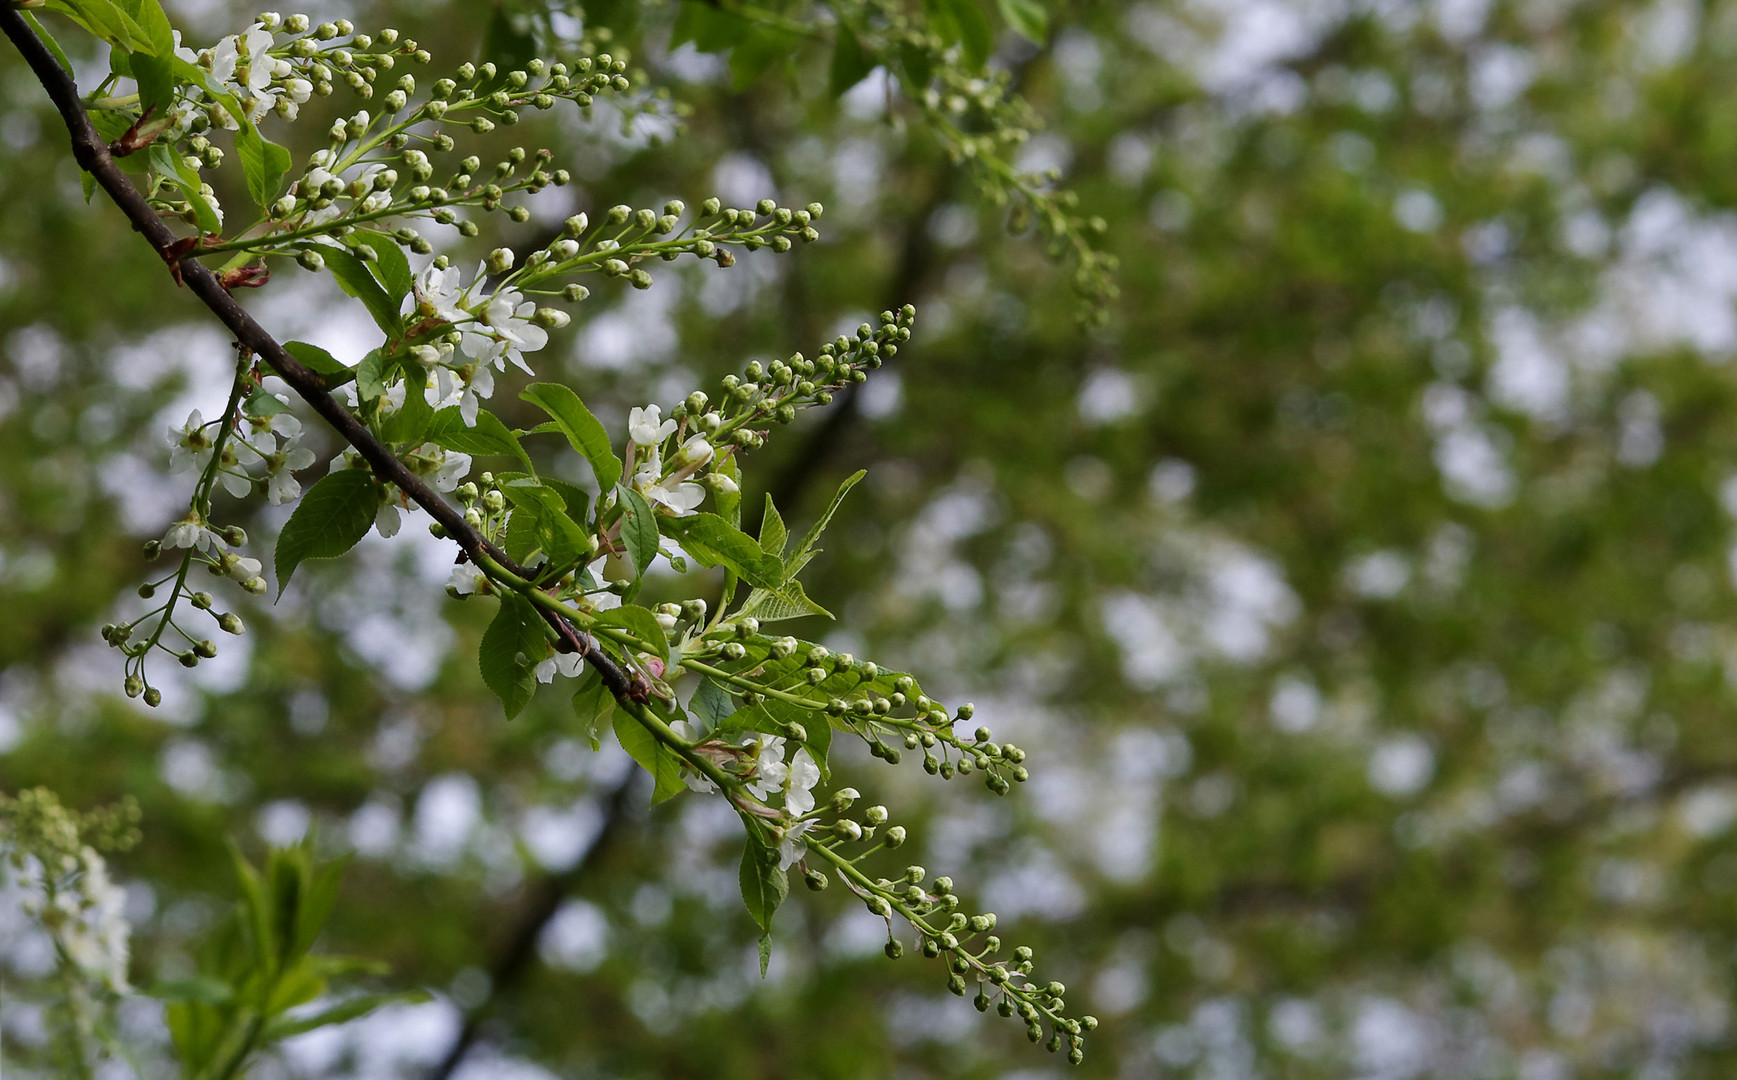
x,y
134,686
895,836
311,260
231,623
153,696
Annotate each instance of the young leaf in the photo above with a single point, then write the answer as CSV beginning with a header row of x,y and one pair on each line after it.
x,y
772,530
511,648
715,542
653,756
410,422
581,428
764,886
263,163
638,529
489,436
805,550
321,363
335,513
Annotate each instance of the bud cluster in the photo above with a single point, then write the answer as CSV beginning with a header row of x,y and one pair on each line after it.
x,y
966,942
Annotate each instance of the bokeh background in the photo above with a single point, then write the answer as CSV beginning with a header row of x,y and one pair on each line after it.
x,y
1361,588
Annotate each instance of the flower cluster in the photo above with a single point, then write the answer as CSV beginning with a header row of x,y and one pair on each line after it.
x,y
272,439
67,879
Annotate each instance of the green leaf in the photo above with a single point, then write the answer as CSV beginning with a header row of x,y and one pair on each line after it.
x,y
642,624
321,363
711,704
788,601
489,436
355,279
764,886
154,71
917,67
1029,19
772,530
651,754
107,21
805,550
851,63
335,513
965,23
511,648
263,163
638,529
411,421
715,542
761,48
765,953
201,988
593,704
708,26
263,403
52,45
560,537
581,428
578,500
371,376
343,1013
391,267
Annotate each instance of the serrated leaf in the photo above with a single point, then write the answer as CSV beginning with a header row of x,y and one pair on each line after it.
x,y
711,704
805,550
652,755
772,530
593,704
263,162
851,63
582,429
357,280
321,363
391,268
560,537
638,529
788,601
715,542
511,648
764,886
335,513
729,503
489,436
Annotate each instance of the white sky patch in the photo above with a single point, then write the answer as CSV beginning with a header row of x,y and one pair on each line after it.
x,y
1109,395
577,938
448,811
1380,575
1401,765
1295,705
557,837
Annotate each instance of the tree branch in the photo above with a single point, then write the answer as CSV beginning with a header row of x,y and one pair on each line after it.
x,y
93,156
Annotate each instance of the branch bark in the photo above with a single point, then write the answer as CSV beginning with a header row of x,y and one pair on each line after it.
x,y
93,156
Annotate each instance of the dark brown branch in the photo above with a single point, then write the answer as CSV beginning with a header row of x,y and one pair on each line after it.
x,y
515,957
94,157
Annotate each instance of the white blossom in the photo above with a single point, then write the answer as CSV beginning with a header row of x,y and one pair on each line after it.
x,y
770,771
569,664
799,785
191,447
465,580
645,427
790,846
695,780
